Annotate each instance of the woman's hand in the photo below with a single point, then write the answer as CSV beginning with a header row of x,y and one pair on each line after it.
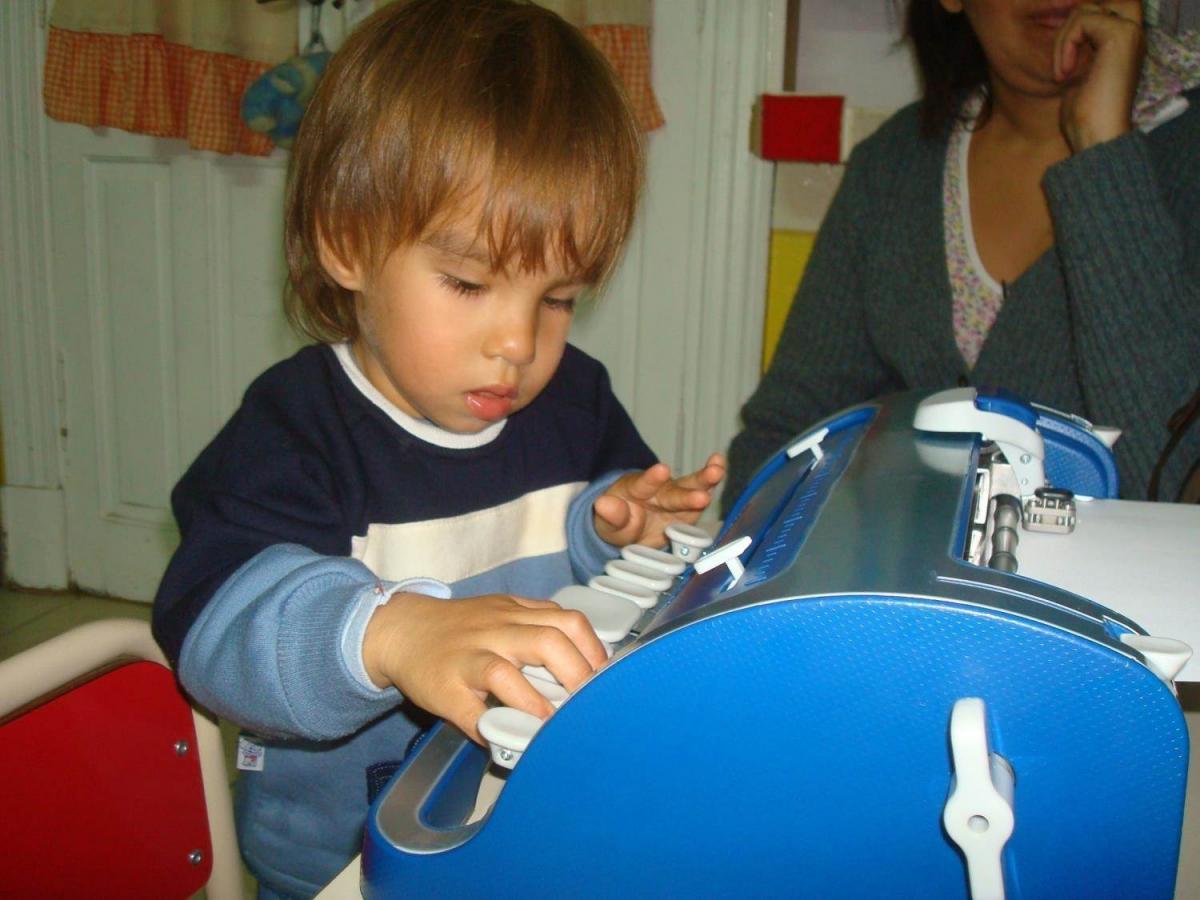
x,y
639,506
1098,53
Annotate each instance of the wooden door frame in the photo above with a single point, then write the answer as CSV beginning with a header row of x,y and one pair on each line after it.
x,y
31,497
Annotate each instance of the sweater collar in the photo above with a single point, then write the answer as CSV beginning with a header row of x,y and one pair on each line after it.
x,y
421,429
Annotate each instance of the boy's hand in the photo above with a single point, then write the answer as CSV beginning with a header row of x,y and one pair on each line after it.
x,y
446,656
639,506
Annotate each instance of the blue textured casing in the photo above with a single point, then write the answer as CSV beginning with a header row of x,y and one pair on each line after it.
x,y
1005,403
1075,457
788,734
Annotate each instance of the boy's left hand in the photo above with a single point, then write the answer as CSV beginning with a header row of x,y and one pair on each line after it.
x,y
640,505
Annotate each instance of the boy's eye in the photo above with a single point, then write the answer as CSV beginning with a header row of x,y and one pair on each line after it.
x,y
459,286
560,304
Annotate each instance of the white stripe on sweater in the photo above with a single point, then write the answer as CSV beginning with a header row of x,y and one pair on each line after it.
x,y
459,547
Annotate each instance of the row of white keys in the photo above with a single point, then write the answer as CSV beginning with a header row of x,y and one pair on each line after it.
x,y
612,603
610,616
658,560
642,597
508,731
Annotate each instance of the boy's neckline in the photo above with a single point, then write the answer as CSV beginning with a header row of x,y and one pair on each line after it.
x,y
418,428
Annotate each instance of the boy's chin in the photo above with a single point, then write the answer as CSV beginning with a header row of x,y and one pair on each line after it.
x,y
467,424
476,426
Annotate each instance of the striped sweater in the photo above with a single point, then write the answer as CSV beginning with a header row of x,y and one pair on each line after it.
x,y
317,501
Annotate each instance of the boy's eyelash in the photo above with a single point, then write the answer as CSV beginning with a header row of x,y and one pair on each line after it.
x,y
559,304
461,287
563,304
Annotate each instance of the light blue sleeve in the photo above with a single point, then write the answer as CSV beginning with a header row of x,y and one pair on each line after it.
x,y
587,551
267,651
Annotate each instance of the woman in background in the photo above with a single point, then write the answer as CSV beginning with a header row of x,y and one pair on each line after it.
x,y
1015,228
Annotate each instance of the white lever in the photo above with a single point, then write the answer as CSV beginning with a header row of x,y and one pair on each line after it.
x,y
728,555
610,616
812,442
954,411
508,732
1106,434
551,690
541,673
643,597
639,575
659,560
1165,657
688,541
979,813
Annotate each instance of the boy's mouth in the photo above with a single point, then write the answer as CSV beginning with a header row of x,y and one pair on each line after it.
x,y
491,403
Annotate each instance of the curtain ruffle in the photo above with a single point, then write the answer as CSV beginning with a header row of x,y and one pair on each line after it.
x,y
147,85
144,84
627,48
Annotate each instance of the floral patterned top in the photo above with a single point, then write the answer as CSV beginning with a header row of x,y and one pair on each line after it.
x,y
976,295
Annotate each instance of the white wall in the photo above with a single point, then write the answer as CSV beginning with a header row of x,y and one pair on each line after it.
x,y
851,48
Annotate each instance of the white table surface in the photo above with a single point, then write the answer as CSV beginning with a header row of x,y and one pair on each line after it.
x,y
345,885
1139,559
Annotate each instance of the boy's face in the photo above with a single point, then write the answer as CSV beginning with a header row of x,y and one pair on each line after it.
x,y
448,340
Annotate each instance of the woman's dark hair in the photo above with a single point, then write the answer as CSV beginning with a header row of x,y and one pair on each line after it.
x,y
950,59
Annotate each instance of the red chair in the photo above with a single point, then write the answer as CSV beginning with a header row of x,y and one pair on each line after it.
x,y
113,784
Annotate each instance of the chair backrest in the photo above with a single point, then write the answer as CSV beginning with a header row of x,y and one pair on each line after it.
x,y
113,784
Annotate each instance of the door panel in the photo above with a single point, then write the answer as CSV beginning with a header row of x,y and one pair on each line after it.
x,y
168,270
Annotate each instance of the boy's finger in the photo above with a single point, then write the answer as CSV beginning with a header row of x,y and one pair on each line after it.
x,y
505,682
462,709
648,483
561,640
690,493
703,479
614,511
530,603
716,464
708,475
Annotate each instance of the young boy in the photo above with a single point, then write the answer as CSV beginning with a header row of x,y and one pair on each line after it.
x,y
465,170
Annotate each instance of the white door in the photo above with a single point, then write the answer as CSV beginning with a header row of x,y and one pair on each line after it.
x,y
167,278
169,273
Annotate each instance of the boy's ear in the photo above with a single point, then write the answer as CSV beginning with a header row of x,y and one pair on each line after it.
x,y
347,274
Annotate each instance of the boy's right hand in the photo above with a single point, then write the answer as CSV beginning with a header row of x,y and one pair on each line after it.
x,y
448,655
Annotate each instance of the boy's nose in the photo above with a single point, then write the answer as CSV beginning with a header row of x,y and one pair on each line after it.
x,y
513,338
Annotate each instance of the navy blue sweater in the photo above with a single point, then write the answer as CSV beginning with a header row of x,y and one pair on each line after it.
x,y
317,501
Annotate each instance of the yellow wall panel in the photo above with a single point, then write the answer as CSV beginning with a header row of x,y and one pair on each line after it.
x,y
789,256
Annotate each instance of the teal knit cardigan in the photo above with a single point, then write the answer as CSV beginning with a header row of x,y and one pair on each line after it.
x,y
1105,324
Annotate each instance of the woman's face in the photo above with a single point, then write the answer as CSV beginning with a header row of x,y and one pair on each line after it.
x,y
1017,37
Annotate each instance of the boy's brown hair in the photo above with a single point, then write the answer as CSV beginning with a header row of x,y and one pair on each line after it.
x,y
431,105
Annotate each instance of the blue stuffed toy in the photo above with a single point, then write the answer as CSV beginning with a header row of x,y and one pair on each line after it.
x,y
274,104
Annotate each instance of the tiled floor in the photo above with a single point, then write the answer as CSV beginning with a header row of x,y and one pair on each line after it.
x,y
26,619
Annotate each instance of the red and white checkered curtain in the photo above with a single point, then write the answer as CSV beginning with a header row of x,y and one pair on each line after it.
x,y
621,31
168,68
178,68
